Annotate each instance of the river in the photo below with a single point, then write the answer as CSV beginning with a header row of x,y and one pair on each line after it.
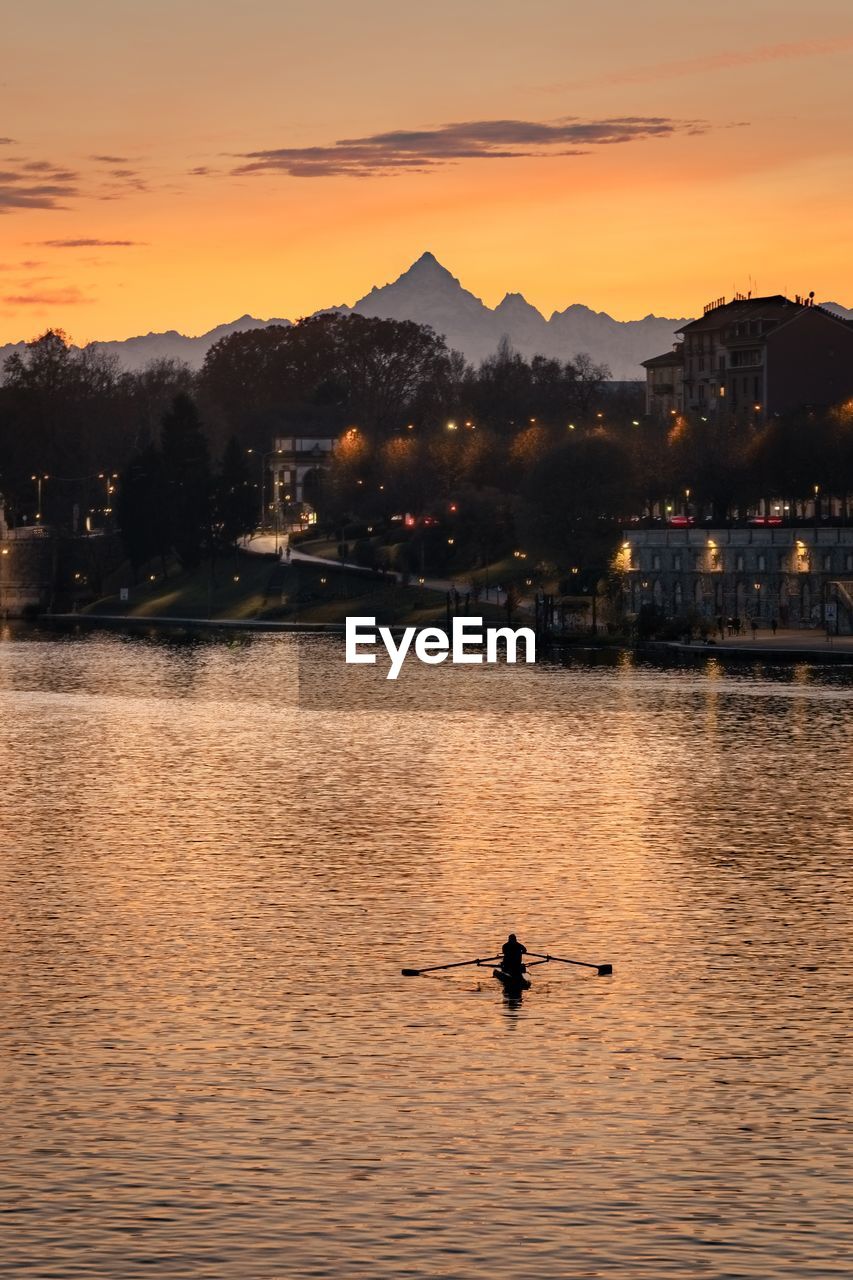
x,y
210,880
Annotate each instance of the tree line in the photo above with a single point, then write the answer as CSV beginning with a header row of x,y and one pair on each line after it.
x,y
539,453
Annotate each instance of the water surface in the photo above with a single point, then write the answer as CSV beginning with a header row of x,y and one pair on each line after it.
x,y
208,887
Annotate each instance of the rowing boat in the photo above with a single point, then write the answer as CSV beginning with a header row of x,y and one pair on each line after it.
x,y
512,983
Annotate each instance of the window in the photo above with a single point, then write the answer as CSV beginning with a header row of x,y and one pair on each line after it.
x,y
656,562
676,562
827,563
739,563
848,563
762,563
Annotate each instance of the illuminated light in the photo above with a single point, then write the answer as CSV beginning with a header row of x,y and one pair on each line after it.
x,y
382,486
359,482
634,422
722,392
450,542
451,426
757,408
322,582
469,424
673,412
453,506
410,427
571,426
528,582
5,551
370,528
574,570
421,581
236,577
152,577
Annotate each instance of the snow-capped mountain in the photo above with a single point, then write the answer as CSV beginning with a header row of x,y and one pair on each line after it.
x,y
429,294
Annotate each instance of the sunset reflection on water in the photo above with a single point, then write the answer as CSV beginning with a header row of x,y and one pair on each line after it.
x,y
208,887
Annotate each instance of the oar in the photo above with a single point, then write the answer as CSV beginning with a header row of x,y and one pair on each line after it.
x,y
457,964
601,969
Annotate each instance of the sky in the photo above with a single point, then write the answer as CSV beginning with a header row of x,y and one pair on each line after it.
x,y
179,163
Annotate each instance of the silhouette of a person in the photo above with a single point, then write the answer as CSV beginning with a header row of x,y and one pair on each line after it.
x,y
512,951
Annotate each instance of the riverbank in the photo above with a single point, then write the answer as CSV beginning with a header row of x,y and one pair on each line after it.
x,y
784,647
262,592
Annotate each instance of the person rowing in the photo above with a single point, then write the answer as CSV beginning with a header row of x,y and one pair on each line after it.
x,y
512,951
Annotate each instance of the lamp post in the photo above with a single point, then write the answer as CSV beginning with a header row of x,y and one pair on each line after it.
x,y
265,457
38,481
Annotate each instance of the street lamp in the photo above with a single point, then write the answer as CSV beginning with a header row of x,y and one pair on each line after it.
x,y
265,457
38,479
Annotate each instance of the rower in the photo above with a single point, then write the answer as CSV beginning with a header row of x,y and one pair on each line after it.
x,y
512,951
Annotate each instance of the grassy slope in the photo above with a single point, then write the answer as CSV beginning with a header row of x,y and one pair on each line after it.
x,y
255,587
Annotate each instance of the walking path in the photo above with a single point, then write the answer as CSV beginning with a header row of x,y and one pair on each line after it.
x,y
268,544
800,643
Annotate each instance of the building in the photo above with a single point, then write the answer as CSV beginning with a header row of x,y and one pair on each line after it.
x,y
297,462
664,383
756,358
801,576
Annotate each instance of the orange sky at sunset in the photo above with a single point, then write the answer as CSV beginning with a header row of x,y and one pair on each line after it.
x,y
633,157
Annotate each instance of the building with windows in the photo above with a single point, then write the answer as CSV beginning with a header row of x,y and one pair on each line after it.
x,y
664,383
755,358
801,576
297,462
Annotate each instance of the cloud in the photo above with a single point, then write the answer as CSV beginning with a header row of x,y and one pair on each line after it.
x,y
49,298
36,184
88,243
420,150
725,61
7,142
110,159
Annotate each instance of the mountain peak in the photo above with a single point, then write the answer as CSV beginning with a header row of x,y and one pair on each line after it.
x,y
516,304
427,267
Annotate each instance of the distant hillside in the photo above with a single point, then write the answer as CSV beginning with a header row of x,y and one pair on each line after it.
x,y
429,294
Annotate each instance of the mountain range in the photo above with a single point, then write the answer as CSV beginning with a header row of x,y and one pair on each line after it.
x,y
429,294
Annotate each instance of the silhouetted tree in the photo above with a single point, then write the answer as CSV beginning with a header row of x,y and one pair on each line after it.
x,y
574,500
235,496
141,509
187,482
